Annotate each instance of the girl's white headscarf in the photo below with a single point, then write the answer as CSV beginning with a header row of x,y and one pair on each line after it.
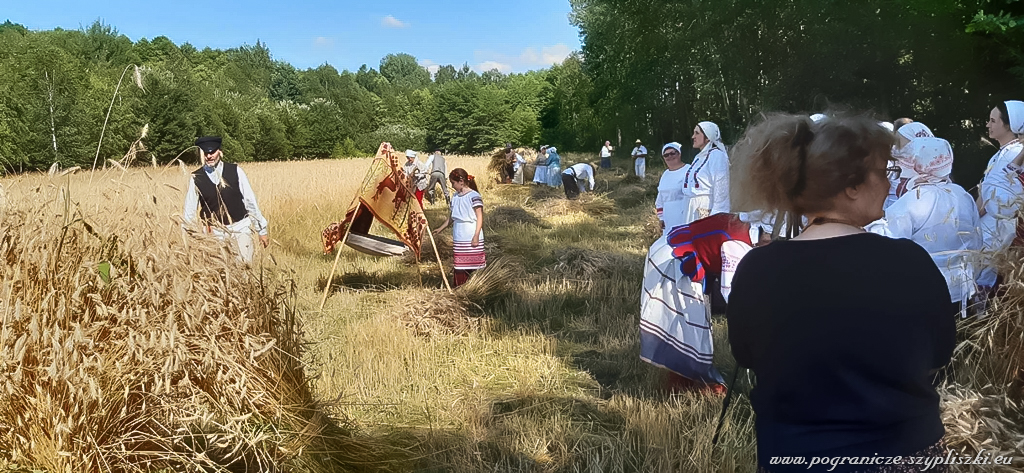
x,y
676,146
911,131
1015,110
915,130
932,160
887,125
713,134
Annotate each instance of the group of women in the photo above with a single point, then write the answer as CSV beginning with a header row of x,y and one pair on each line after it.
x,y
844,328
549,167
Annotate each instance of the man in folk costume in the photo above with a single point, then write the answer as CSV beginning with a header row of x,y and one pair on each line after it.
x,y
438,172
224,199
639,160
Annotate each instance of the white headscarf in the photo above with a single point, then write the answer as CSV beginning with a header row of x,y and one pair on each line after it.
x,y
552,150
911,131
914,130
410,153
673,145
932,160
713,134
1015,110
817,117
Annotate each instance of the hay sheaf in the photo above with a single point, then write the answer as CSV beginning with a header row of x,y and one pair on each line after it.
x,y
505,215
589,203
496,166
117,354
587,263
984,424
438,312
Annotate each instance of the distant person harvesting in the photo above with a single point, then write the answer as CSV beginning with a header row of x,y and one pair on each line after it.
x,y
438,168
606,155
225,202
639,160
575,177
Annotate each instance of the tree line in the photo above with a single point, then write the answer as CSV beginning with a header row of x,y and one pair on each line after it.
x,y
58,87
657,67
648,69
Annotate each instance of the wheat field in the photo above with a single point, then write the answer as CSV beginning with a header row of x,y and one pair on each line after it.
x,y
128,345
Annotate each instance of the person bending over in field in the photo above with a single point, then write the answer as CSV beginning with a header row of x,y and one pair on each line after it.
x,y
844,363
467,220
224,199
575,177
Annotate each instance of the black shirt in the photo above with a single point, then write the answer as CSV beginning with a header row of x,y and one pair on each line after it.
x,y
842,335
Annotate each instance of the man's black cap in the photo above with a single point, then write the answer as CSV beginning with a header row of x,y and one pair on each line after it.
x,y
209,144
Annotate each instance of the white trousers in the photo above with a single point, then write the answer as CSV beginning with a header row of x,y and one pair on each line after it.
x,y
640,166
239,233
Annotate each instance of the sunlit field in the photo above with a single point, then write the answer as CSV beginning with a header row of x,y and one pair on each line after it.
x,y
129,345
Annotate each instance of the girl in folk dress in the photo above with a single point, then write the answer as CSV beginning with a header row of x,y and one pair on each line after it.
x,y
467,229
540,175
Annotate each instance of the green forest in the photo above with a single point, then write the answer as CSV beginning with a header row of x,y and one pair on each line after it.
x,y
648,69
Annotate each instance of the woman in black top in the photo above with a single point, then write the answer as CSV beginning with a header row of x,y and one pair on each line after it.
x,y
843,329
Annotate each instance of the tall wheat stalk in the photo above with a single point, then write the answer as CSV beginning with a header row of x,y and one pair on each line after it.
x,y
137,76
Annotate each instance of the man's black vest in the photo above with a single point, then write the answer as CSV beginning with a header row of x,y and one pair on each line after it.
x,y
221,203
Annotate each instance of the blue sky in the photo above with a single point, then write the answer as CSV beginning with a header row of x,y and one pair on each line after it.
x,y
510,36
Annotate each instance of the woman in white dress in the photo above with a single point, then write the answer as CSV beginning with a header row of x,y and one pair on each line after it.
x,y
938,215
1000,190
706,181
675,326
540,175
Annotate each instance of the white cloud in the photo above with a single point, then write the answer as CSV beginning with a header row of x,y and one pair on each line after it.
x,y
554,54
529,58
488,65
431,66
323,42
392,22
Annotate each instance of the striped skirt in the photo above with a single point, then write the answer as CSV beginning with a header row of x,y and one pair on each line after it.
x,y
467,256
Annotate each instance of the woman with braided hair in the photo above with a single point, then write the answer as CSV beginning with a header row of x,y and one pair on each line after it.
x,y
843,329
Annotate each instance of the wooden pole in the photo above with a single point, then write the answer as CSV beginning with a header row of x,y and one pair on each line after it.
x,y
337,247
337,256
438,255
409,189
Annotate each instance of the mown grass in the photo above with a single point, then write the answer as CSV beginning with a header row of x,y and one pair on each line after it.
x,y
536,370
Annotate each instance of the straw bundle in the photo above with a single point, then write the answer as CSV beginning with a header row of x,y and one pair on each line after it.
x,y
505,215
438,312
979,423
432,313
587,263
589,203
120,354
